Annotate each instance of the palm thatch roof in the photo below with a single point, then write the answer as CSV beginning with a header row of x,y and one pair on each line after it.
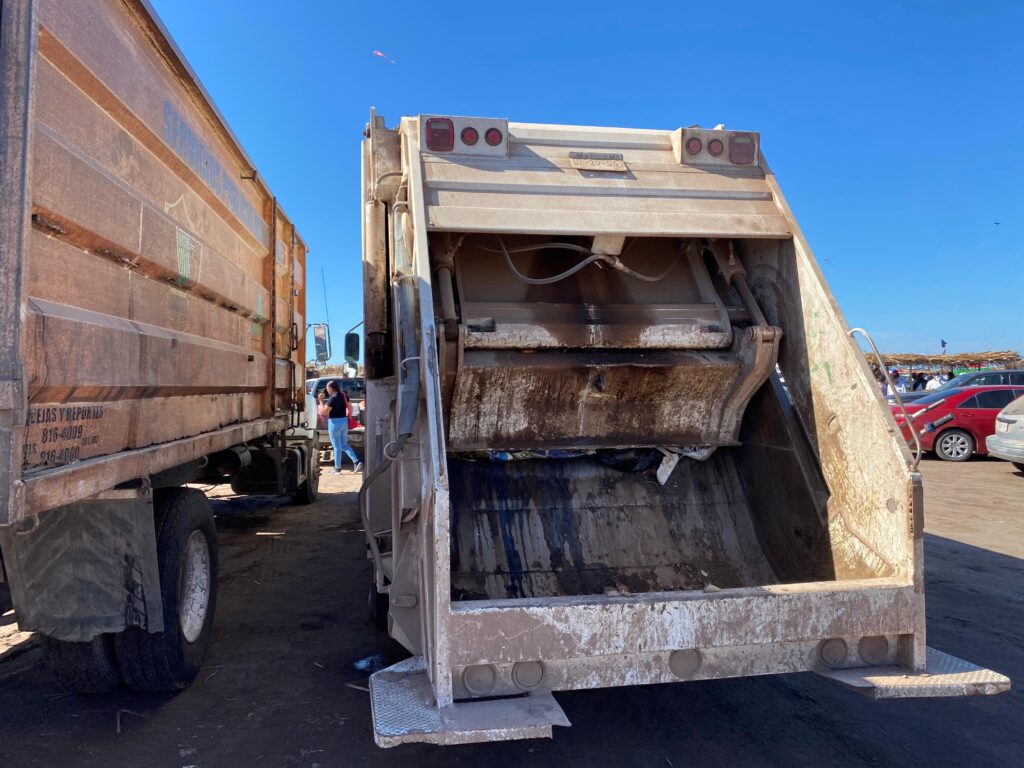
x,y
1005,359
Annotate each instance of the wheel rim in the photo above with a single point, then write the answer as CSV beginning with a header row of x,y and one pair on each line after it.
x,y
956,446
194,595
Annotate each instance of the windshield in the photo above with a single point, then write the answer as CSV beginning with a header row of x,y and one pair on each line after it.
x,y
938,394
957,381
354,388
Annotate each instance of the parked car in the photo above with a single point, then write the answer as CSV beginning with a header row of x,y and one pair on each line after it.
x,y
969,379
955,422
1008,440
355,388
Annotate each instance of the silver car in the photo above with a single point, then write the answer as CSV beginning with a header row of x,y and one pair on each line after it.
x,y
1008,440
969,379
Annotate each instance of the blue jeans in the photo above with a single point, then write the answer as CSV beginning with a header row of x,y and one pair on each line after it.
x,y
337,429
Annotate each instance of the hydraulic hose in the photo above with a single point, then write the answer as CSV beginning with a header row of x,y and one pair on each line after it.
x,y
612,261
408,371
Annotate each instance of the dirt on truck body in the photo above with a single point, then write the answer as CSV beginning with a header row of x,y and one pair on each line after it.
x,y
618,432
152,294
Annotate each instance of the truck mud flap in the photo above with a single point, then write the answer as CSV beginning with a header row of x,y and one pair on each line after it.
x,y
87,568
944,675
405,711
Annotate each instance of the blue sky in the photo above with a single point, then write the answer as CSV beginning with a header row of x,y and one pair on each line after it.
x,y
896,129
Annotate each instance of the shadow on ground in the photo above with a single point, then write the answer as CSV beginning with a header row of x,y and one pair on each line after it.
x,y
294,646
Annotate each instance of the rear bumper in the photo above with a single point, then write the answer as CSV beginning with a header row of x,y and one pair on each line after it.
x,y
603,641
858,633
356,438
1001,448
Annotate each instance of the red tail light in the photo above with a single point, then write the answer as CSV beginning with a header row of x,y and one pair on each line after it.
x,y
693,145
470,136
493,136
742,148
716,147
440,134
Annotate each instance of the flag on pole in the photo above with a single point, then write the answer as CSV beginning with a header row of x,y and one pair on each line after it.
x,y
943,343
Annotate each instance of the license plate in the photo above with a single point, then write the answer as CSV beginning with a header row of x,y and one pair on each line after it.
x,y
597,161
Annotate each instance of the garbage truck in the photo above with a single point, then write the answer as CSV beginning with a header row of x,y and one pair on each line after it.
x,y
618,432
152,302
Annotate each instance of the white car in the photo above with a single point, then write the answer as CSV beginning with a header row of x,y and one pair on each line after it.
x,y
1008,440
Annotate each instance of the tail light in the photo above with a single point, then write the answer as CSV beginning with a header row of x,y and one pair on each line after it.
x,y
440,134
742,148
459,135
715,146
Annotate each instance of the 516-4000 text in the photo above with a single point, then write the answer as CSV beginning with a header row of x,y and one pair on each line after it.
x,y
57,434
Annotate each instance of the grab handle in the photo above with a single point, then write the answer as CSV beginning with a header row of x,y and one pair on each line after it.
x,y
899,400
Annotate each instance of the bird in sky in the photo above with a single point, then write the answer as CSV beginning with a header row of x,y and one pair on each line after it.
x,y
384,56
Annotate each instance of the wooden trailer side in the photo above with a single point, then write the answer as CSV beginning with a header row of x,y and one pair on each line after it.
x,y
163,295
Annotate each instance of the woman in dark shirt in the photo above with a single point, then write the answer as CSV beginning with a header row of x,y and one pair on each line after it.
x,y
337,425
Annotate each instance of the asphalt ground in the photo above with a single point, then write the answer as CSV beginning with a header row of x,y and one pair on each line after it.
x,y
284,684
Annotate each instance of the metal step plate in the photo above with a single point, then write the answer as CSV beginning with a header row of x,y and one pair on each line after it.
x,y
945,676
404,711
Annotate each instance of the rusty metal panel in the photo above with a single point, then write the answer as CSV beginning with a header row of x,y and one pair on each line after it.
x,y
643,667
588,399
49,488
187,314
573,627
553,564
864,460
434,519
510,400
543,528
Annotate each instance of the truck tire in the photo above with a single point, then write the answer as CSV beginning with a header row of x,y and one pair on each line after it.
x,y
88,667
954,445
307,492
186,543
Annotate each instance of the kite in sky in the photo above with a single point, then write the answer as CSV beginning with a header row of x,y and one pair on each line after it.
x,y
383,56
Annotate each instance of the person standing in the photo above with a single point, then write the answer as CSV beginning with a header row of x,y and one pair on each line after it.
x,y
339,411
898,381
883,385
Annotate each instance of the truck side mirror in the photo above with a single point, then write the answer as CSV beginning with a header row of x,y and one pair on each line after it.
x,y
322,341
352,347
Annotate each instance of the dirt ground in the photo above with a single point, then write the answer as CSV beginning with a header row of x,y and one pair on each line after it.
x,y
293,647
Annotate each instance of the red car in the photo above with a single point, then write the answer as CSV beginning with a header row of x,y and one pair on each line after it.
x,y
955,422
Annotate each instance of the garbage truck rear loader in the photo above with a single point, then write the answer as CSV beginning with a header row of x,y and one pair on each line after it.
x,y
618,432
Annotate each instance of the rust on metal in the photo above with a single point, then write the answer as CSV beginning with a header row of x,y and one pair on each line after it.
x,y
647,449
184,325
